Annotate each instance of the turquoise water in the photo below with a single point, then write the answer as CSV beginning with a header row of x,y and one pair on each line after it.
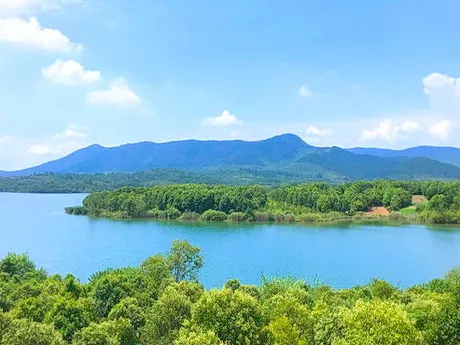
x,y
341,256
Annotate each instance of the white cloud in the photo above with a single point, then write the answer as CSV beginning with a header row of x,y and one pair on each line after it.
x,y
29,32
387,132
70,73
225,119
118,95
436,82
443,92
39,149
441,129
72,131
70,139
304,92
312,130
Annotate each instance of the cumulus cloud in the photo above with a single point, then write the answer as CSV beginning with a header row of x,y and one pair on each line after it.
x,y
117,95
304,92
29,32
70,73
436,82
441,129
312,130
443,92
388,132
225,119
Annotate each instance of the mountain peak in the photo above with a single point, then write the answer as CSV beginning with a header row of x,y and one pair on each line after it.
x,y
288,138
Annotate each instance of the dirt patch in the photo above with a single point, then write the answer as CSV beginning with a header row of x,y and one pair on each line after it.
x,y
418,199
378,211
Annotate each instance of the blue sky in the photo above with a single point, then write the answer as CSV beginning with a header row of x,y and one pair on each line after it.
x,y
354,73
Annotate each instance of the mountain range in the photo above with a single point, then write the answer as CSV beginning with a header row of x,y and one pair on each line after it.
x,y
283,153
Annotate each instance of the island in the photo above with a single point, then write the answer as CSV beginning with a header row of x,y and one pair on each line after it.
x,y
435,202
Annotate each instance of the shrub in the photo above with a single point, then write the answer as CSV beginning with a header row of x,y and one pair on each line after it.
x,y
190,216
172,213
213,216
237,217
156,213
263,217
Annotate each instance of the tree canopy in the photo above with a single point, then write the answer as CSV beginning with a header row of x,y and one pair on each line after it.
x,y
161,302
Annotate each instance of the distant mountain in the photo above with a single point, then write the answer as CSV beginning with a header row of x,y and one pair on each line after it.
x,y
445,154
286,154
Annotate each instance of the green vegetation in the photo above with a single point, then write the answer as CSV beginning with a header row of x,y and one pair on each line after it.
x,y
161,302
314,202
89,183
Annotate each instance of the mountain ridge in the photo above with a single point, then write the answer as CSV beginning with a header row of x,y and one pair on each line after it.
x,y
285,152
445,154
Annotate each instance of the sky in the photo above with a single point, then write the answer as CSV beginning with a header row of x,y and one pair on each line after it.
x,y
382,73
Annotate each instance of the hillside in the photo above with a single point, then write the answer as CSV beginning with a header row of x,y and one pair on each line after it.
x,y
277,157
445,154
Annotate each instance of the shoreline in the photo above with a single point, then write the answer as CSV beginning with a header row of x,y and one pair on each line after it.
x,y
392,219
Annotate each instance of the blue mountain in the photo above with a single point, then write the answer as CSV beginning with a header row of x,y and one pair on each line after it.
x,y
444,154
284,153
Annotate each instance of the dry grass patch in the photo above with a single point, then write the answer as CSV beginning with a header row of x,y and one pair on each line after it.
x,y
379,211
419,199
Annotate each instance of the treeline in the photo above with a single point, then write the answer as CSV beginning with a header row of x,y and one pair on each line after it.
x,y
89,183
305,203
161,302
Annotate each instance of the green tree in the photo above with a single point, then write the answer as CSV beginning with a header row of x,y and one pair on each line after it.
x,y
157,271
235,317
191,337
290,320
18,265
378,323
185,261
166,317
69,316
438,203
26,332
447,328
128,309
5,321
115,332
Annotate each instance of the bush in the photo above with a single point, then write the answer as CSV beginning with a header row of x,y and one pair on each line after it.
x,y
213,216
237,217
156,214
172,213
190,216
263,216
281,217
77,210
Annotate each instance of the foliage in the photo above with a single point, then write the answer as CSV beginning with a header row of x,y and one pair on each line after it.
x,y
185,261
313,202
146,305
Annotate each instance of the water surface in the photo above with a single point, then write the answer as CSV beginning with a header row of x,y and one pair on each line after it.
x,y
341,256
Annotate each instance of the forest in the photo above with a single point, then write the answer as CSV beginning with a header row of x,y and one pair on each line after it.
x,y
408,201
161,302
89,183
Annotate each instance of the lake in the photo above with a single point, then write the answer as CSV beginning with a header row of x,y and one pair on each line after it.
x,y
341,256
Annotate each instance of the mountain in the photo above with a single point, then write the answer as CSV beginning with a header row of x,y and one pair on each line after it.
x,y
445,154
285,154
360,166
